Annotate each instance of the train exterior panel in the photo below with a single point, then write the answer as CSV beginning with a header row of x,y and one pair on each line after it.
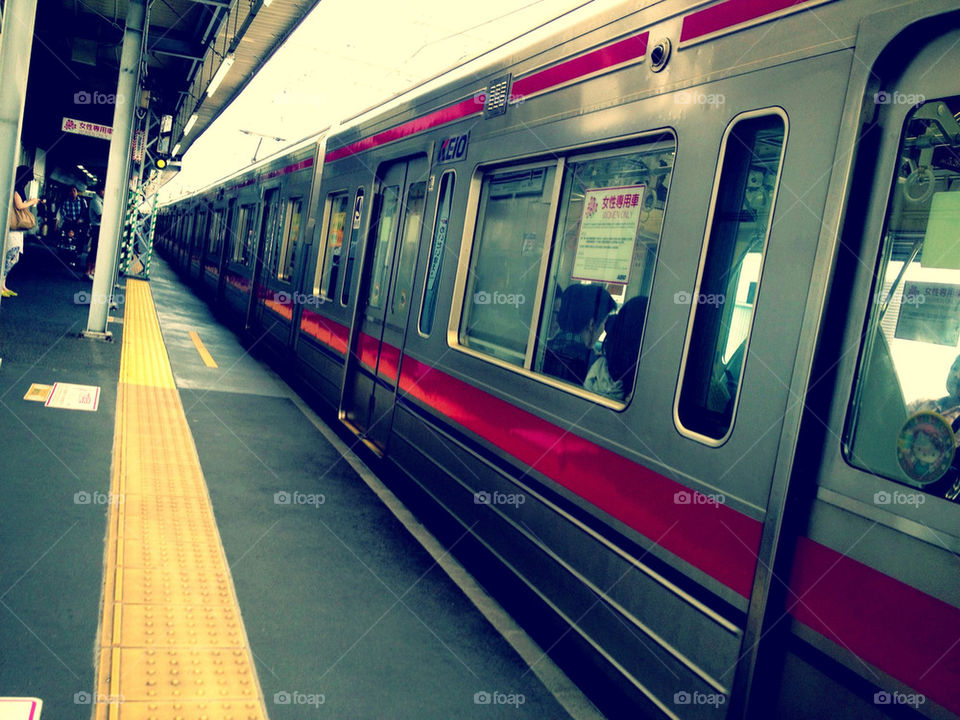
x,y
745,506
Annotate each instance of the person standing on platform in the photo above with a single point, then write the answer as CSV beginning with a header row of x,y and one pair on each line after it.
x,y
96,212
15,237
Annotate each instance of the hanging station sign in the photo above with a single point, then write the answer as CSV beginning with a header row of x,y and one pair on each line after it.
x,y
82,127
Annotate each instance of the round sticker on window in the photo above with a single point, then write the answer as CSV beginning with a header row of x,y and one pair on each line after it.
x,y
925,447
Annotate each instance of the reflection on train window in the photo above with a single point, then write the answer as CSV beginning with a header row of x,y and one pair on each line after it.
x,y
352,248
601,268
383,245
216,233
243,241
723,302
199,240
505,262
905,413
328,264
437,247
291,231
409,242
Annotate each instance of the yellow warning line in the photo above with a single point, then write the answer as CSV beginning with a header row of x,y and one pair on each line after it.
x,y
171,642
201,348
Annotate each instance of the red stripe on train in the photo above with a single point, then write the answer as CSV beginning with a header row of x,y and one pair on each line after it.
x,y
850,603
715,538
617,53
302,165
330,333
461,110
895,627
622,51
729,13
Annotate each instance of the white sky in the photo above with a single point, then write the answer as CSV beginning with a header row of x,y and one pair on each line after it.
x,y
349,55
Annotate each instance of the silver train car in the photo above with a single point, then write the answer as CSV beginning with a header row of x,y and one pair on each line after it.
x,y
656,325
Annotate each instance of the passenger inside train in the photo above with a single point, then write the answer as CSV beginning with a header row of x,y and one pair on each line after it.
x,y
583,310
612,374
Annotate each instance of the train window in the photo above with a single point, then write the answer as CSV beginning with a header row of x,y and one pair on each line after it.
x,y
383,245
505,263
216,233
328,266
352,248
602,262
437,247
243,241
291,231
724,297
409,242
904,419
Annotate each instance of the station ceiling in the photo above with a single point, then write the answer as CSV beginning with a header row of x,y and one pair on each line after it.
x,y
75,63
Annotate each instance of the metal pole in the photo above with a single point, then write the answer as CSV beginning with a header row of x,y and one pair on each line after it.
x,y
115,187
15,46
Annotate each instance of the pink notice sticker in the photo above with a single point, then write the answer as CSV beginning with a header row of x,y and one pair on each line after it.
x,y
74,397
12,708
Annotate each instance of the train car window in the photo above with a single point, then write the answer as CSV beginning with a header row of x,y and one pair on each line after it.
x,y
409,242
904,417
328,266
723,300
601,269
291,231
383,245
352,248
437,246
243,241
216,233
505,262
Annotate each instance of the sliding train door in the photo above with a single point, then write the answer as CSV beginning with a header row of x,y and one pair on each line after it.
x,y
383,301
269,222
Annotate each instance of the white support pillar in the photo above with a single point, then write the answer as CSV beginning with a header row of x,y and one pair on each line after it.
x,y
16,42
118,170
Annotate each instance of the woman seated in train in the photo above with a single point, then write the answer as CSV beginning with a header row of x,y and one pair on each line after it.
x,y
611,375
583,310
949,405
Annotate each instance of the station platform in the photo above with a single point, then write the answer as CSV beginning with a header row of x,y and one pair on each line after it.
x,y
182,536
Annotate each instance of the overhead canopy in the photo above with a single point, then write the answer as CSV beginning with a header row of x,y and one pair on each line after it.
x,y
76,58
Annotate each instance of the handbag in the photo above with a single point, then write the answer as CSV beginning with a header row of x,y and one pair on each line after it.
x,y
21,219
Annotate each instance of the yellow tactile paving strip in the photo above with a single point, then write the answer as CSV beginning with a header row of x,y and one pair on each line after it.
x,y
172,642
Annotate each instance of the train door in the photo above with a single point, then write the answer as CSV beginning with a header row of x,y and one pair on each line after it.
x,y
383,301
263,255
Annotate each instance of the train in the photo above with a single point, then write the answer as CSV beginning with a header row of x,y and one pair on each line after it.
x,y
654,322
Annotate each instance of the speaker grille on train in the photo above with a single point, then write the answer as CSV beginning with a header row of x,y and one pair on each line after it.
x,y
498,94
